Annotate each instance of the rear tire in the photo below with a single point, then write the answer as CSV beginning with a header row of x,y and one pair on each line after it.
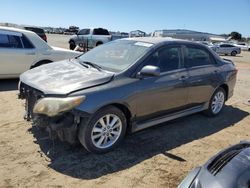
x,y
233,53
99,43
104,131
216,102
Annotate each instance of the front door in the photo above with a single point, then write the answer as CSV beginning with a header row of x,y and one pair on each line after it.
x,y
166,93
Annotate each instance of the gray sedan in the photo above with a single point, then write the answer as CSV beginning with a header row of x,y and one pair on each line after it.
x,y
125,86
229,168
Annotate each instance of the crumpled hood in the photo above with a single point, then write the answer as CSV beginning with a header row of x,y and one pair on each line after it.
x,y
64,77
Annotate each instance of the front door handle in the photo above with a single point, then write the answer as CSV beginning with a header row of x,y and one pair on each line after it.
x,y
30,53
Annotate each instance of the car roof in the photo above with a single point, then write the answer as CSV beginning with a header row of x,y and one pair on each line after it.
x,y
35,39
154,40
15,29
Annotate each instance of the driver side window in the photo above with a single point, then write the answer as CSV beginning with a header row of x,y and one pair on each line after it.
x,y
167,59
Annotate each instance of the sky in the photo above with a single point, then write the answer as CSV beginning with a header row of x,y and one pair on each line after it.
x,y
213,16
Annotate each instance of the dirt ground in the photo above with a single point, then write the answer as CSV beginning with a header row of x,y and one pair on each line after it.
x,y
157,157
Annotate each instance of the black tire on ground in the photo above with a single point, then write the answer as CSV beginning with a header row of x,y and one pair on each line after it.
x,y
99,43
233,53
72,45
43,62
209,111
85,130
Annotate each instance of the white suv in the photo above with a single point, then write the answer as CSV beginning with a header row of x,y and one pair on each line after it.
x,y
21,50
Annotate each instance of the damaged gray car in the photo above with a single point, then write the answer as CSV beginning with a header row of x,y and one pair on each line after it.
x,y
125,86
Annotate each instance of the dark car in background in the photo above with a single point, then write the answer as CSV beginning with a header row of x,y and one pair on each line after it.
x,y
125,86
39,31
229,168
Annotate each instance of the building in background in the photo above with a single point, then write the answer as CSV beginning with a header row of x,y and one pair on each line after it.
x,y
189,35
137,33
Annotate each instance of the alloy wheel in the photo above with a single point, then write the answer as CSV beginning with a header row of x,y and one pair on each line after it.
x,y
106,131
218,102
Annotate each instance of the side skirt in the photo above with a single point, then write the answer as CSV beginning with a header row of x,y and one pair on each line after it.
x,y
162,119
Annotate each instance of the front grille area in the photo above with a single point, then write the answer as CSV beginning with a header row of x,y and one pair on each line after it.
x,y
224,158
31,96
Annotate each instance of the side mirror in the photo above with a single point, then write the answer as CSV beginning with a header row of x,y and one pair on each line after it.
x,y
149,71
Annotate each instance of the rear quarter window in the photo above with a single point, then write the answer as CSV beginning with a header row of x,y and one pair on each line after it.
x,y
26,42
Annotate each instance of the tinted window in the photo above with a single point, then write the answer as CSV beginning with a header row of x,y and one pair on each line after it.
x,y
226,45
4,41
84,32
34,29
169,59
166,59
197,57
100,31
26,42
10,41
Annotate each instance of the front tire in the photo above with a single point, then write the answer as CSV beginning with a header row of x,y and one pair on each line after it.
x,y
216,103
105,130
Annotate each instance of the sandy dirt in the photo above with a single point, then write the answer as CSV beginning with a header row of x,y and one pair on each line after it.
x,y
157,157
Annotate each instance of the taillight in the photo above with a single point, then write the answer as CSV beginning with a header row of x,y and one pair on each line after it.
x,y
45,38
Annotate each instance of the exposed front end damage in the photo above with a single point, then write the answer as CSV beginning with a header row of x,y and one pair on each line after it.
x,y
63,126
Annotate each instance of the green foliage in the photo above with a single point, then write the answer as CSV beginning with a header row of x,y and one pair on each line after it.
x,y
236,35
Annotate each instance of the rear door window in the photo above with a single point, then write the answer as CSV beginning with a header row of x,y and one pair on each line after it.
x,y
10,41
195,56
4,41
84,32
226,46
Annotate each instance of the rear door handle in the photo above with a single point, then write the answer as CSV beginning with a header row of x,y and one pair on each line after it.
x,y
183,78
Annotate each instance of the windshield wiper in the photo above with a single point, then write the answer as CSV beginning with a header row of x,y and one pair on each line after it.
x,y
91,64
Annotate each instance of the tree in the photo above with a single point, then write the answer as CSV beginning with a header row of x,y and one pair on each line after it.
x,y
235,35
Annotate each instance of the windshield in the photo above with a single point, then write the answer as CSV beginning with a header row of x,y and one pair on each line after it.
x,y
117,55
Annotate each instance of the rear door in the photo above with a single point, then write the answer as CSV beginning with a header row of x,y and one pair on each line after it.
x,y
166,93
203,74
16,52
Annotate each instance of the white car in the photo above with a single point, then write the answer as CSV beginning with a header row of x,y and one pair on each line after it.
x,y
243,46
226,49
21,50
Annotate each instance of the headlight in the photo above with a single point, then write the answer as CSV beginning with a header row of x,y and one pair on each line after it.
x,y
51,106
